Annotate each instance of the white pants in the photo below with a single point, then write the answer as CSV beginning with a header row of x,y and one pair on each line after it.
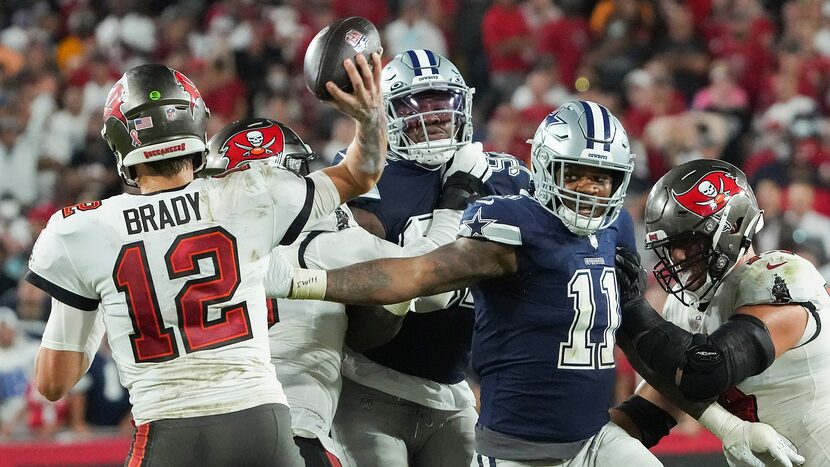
x,y
611,447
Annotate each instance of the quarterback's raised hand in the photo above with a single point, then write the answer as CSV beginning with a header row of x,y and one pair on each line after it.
x,y
631,277
366,155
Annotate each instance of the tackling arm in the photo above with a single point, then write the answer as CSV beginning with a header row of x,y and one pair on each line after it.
x,y
453,266
366,155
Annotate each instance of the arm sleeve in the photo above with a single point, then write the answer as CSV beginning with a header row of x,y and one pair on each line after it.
x,y
71,329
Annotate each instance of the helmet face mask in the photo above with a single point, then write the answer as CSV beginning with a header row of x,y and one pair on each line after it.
x,y
705,209
154,113
256,139
428,106
581,139
688,277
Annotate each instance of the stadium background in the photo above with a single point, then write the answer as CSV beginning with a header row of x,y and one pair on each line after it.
x,y
742,80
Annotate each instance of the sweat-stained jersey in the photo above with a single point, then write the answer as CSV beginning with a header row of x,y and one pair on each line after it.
x,y
793,394
178,276
543,342
404,199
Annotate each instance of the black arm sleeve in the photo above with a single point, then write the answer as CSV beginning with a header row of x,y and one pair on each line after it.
x,y
708,365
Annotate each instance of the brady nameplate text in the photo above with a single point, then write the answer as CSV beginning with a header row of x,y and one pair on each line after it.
x,y
163,213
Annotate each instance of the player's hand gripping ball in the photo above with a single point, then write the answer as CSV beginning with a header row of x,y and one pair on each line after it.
x,y
345,38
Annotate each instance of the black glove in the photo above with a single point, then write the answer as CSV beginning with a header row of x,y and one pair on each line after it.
x,y
631,277
459,190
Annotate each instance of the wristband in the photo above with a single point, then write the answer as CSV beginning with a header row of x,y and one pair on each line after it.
x,y
398,309
308,284
718,420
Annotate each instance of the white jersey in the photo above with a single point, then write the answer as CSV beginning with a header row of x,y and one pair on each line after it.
x,y
792,395
307,342
178,277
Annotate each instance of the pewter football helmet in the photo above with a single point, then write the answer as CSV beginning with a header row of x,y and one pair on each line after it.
x,y
419,87
707,208
583,133
256,139
154,113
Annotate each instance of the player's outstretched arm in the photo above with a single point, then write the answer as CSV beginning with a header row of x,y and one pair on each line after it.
x,y
451,267
366,155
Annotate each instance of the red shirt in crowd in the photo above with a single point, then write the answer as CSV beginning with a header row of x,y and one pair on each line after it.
x,y
500,24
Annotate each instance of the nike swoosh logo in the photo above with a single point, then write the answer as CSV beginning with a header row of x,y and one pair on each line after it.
x,y
771,266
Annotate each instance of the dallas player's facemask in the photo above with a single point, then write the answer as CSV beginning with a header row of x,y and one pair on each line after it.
x,y
428,107
583,212
586,136
430,123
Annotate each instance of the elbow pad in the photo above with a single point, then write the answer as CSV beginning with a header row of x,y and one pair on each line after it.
x,y
740,348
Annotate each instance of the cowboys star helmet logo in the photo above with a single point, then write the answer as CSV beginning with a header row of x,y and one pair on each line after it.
x,y
710,194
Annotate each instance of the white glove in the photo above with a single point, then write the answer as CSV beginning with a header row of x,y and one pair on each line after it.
x,y
747,443
279,277
470,159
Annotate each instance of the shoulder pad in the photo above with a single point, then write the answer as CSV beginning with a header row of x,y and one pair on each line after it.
x,y
777,277
496,218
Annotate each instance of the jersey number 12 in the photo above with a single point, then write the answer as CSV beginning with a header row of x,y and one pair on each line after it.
x,y
151,341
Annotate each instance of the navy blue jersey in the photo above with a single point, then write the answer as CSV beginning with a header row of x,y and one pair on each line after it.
x,y
406,192
543,343
405,197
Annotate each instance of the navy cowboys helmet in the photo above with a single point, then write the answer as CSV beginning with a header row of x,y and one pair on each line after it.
x,y
583,133
707,209
256,139
154,113
428,106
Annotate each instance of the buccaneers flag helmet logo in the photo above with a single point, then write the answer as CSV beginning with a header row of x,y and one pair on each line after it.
x,y
190,89
709,194
247,145
115,99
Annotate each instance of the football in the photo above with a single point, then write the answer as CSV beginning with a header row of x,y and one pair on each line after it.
x,y
345,38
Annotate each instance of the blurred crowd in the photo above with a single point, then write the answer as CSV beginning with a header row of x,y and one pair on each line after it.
x,y
747,81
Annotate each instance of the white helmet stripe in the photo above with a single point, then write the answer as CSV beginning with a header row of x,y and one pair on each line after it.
x,y
423,62
597,125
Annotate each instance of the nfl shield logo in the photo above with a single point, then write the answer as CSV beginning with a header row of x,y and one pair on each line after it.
x,y
171,113
357,40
